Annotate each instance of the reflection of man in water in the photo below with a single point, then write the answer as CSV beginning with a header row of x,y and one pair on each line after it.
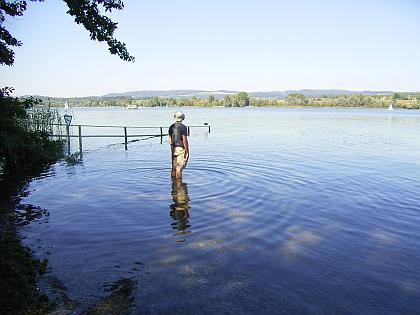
x,y
179,145
179,209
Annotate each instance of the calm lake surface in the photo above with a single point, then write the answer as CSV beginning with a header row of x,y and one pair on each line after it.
x,y
281,211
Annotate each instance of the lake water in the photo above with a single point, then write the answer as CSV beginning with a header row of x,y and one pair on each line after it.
x,y
281,211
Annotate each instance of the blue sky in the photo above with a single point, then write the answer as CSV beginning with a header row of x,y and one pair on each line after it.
x,y
237,45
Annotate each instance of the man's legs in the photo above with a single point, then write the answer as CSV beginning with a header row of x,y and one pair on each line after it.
x,y
173,172
178,172
178,163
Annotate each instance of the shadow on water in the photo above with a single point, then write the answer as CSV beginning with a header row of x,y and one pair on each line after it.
x,y
24,214
180,208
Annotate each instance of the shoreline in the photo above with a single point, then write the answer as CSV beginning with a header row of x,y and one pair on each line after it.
x,y
20,269
244,107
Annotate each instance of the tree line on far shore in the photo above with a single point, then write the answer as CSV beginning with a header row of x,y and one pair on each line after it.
x,y
242,99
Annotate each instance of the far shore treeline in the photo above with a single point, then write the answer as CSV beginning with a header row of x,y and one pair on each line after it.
x,y
243,99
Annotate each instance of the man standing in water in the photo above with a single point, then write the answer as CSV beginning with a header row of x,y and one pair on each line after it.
x,y
179,145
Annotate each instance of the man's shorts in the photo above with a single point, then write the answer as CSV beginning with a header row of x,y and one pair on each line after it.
x,y
179,157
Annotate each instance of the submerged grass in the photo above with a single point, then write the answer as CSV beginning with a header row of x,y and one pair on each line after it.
x,y
18,277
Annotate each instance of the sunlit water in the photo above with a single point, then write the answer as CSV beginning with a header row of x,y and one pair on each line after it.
x,y
280,211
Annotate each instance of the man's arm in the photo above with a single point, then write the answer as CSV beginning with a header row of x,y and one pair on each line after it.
x,y
170,143
170,139
186,147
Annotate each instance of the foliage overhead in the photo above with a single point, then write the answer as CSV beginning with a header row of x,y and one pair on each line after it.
x,y
85,12
101,27
7,41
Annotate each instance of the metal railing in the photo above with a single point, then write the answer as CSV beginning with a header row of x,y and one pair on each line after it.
x,y
124,133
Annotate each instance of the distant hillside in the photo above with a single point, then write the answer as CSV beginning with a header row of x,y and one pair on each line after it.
x,y
173,93
148,93
223,93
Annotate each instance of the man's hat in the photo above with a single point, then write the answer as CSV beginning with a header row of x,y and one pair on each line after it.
x,y
179,116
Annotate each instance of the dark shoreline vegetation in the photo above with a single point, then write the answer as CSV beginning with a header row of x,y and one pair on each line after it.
x,y
243,99
25,152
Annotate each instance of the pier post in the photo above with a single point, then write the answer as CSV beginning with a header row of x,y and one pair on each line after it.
x,y
125,136
188,131
207,124
80,141
68,139
161,135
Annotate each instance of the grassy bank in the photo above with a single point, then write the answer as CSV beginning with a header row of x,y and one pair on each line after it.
x,y
25,146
